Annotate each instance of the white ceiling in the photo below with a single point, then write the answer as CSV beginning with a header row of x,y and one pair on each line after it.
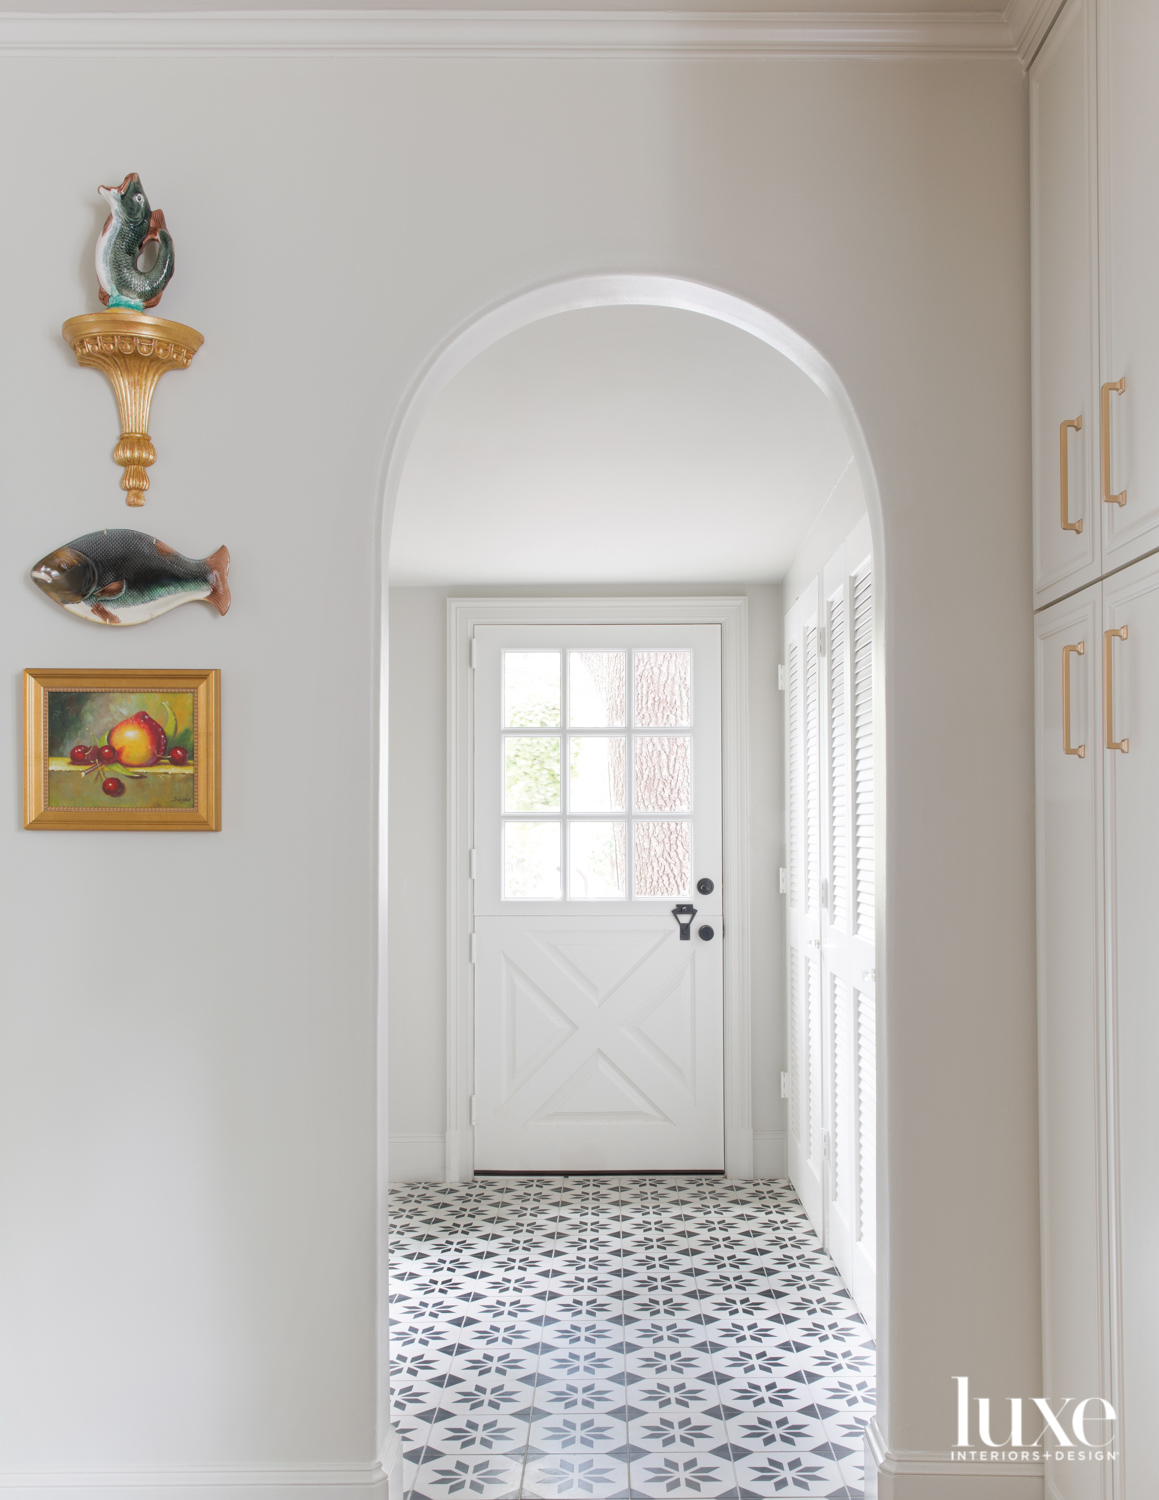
x,y
620,444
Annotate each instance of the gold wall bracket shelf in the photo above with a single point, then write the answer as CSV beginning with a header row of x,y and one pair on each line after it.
x,y
134,350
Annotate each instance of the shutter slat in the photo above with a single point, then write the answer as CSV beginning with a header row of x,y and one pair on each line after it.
x,y
812,777
794,710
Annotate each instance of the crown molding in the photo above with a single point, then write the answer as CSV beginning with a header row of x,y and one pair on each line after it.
x,y
509,34
1029,21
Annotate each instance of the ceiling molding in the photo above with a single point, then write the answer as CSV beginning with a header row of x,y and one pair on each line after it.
x,y
1029,21
512,33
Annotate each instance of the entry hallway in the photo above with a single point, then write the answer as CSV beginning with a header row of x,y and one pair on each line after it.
x,y
638,1336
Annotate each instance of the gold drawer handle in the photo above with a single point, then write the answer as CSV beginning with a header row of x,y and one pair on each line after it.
x,y
1067,747
1108,694
1064,484
1118,386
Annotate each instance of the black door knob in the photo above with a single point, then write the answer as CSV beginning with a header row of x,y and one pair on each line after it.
x,y
706,933
705,886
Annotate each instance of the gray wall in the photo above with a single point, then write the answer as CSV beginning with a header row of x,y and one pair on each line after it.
x,y
188,1045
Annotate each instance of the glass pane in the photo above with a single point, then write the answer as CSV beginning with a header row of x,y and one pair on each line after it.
x,y
531,862
663,687
663,773
531,689
531,773
663,859
597,774
596,688
597,861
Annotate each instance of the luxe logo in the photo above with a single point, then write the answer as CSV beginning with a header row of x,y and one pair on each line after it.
x,y
1078,1433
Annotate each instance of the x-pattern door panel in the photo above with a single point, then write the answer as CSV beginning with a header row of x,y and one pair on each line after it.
x,y
598,1029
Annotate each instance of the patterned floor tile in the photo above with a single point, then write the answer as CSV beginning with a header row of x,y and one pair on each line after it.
x,y
575,1476
484,1477
609,1338
679,1476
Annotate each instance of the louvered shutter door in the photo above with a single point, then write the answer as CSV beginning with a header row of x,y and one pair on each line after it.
x,y
830,794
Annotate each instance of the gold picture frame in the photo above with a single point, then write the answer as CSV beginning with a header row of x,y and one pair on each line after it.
x,y
158,768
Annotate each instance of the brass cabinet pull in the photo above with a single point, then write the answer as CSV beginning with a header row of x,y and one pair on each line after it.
x,y
1063,483
1067,747
1108,694
1105,440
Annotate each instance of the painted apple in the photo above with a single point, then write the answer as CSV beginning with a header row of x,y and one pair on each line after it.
x,y
139,741
79,754
113,786
178,757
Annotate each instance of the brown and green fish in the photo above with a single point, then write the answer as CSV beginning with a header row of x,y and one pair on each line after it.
x,y
126,577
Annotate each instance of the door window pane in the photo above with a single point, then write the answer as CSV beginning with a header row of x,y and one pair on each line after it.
x,y
663,688
596,689
531,773
597,861
531,689
531,862
663,773
597,773
663,859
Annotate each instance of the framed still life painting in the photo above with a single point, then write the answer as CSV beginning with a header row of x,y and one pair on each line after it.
x,y
122,749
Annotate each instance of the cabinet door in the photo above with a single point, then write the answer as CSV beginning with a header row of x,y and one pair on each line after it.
x,y
1064,306
1129,208
1131,811
1070,1030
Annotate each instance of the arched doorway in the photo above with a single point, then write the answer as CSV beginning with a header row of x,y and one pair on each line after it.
x,y
601,292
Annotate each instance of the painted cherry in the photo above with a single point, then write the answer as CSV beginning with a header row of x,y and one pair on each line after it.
x,y
106,754
79,754
178,757
113,786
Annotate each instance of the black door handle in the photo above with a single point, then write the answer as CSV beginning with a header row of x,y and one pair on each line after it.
x,y
705,933
684,915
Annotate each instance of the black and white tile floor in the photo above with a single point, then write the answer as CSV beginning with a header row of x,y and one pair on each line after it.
x,y
592,1337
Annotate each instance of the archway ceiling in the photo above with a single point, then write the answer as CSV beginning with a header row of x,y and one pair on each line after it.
x,y
617,444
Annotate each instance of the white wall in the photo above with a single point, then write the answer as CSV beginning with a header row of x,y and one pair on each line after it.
x,y
842,511
416,923
187,1060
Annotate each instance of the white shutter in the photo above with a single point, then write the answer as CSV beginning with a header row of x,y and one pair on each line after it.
x,y
830,785
863,751
838,777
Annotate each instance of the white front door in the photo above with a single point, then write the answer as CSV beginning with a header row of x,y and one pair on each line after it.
x,y
597,811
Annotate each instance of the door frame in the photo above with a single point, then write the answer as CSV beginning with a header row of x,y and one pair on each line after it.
x,y
731,614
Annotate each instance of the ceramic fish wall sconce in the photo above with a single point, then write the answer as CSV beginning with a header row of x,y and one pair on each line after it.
x,y
132,225
123,577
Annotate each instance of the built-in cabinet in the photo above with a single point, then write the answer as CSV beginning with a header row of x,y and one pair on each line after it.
x,y
1094,122
1095,365
829,885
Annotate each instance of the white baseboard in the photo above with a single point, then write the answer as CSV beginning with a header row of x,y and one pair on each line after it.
x,y
369,1481
417,1158
770,1153
915,1475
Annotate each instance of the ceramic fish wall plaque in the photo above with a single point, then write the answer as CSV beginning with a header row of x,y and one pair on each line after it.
x,y
131,226
127,577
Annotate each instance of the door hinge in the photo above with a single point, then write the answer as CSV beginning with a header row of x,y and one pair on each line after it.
x,y
781,677
472,957
825,894
471,1110
471,863
825,1146
784,1085
783,880
473,644
821,634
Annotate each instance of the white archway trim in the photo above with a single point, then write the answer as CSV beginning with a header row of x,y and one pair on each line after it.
x,y
470,340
